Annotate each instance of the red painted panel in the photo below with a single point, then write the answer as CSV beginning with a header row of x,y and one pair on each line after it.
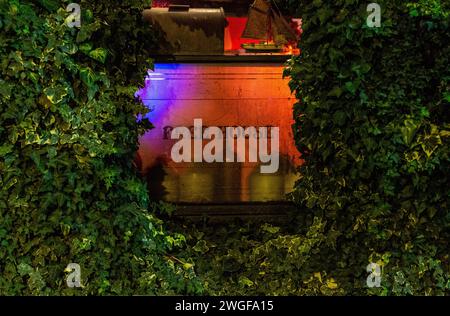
x,y
233,33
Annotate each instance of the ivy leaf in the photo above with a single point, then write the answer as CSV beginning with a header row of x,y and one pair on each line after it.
x,y
99,54
447,96
24,269
201,246
92,90
414,13
86,48
5,89
5,149
335,92
87,76
246,282
187,265
331,284
271,229
350,87
409,131
55,94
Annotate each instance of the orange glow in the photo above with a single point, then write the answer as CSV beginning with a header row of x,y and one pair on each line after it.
x,y
220,95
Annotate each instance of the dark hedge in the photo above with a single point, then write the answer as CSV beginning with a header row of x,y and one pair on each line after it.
x,y
373,124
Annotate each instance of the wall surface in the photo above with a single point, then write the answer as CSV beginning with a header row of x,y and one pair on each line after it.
x,y
221,95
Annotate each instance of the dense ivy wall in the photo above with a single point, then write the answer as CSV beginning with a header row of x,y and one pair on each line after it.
x,y
373,123
68,131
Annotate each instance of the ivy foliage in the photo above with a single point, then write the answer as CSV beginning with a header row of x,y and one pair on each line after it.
x,y
248,258
372,124
68,130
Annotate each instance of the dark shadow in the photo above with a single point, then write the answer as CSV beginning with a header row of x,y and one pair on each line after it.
x,y
155,178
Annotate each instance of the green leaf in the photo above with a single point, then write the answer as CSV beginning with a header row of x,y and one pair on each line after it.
x,y
24,269
86,48
350,87
414,13
87,76
56,94
99,54
244,281
6,149
271,229
335,92
201,246
409,131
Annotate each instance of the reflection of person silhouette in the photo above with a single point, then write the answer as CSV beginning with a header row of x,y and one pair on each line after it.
x,y
272,187
155,178
138,162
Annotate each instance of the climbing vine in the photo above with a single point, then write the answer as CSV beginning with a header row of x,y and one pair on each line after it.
x,y
69,190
